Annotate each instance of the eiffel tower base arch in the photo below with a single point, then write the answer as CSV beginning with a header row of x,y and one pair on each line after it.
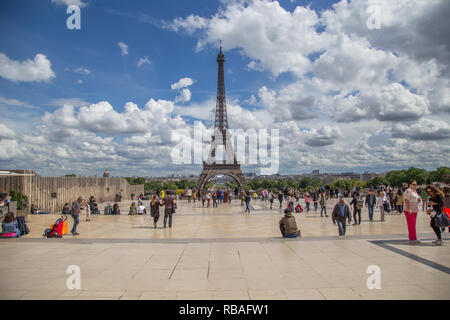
x,y
232,170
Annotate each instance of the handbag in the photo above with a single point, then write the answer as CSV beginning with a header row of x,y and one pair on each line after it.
x,y
441,220
174,207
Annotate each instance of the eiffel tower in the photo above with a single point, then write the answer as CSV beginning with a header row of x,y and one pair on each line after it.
x,y
221,138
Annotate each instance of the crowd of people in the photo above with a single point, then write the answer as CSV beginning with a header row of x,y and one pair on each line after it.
x,y
408,200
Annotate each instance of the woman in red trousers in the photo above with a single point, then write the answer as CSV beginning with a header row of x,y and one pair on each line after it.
x,y
412,200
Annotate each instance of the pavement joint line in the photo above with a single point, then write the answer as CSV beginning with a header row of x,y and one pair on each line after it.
x,y
371,238
385,244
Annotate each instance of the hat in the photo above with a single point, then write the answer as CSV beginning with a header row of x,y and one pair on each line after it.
x,y
287,210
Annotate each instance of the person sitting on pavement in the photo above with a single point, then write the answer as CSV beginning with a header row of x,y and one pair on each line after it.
x,y
10,226
288,225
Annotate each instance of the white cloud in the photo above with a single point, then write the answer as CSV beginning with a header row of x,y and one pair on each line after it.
x,y
182,83
74,102
325,136
15,102
123,48
83,70
39,69
79,3
425,129
182,87
79,81
143,61
184,96
6,133
190,24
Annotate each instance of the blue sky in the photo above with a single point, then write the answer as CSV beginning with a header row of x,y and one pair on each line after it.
x,y
268,82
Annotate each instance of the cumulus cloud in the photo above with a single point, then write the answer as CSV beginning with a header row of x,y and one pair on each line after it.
x,y
325,136
182,87
36,70
182,83
6,133
143,61
425,129
391,103
123,48
184,96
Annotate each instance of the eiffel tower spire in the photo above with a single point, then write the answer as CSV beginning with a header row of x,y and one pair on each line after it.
x,y
221,122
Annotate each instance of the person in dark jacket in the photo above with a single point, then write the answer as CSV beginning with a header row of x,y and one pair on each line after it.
x,y
371,202
75,213
288,225
116,209
340,213
435,204
66,209
154,210
169,210
247,199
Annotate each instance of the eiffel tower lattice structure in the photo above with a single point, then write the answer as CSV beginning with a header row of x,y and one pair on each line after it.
x,y
221,138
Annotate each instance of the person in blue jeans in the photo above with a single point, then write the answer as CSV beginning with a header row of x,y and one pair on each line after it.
x,y
288,226
247,202
75,213
371,201
341,213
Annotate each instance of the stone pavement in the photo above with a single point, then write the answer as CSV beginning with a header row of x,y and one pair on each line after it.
x,y
222,254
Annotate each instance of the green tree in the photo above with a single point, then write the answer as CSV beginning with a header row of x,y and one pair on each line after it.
x,y
419,175
441,174
397,177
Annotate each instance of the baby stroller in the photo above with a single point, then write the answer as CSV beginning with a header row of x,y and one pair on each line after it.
x,y
58,229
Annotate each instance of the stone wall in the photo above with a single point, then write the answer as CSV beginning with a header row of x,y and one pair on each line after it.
x,y
51,193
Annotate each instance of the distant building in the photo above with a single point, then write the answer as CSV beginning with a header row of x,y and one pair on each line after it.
x,y
106,174
316,172
366,176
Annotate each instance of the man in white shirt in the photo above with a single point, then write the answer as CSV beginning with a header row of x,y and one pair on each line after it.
x,y
141,210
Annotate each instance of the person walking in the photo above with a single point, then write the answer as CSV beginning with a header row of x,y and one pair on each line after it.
x,y
371,202
88,212
203,198
154,210
288,225
381,203
189,195
75,213
446,191
280,198
412,200
358,204
424,195
341,212
315,200
307,201
400,201
435,204
169,210
214,198
271,197
208,199
323,204
247,202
